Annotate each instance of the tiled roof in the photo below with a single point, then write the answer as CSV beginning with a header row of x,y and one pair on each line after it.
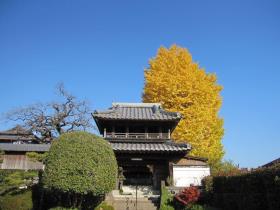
x,y
150,147
25,147
274,162
117,147
17,133
16,137
17,130
137,111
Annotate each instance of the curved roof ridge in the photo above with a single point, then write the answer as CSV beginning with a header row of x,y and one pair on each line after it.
x,y
124,104
137,111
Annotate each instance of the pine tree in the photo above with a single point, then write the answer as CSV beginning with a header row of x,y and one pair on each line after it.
x,y
182,86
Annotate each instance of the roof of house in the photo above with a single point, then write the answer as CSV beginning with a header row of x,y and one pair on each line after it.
x,y
150,147
25,147
17,133
16,130
117,147
276,161
137,111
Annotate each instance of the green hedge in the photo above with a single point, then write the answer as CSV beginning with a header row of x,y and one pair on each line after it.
x,y
257,190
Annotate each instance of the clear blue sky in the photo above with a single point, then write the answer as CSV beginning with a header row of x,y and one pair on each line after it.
x,y
100,48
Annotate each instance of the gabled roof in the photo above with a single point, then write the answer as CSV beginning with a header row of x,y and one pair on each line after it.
x,y
274,162
137,111
17,130
17,133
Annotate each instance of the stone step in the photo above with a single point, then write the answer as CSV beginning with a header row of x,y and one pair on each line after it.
x,y
130,204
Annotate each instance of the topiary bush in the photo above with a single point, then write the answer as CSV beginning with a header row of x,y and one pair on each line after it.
x,y
80,163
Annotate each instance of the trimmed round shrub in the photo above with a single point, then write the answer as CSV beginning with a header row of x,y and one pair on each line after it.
x,y
80,163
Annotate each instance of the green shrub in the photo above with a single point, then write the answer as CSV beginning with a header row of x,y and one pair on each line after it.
x,y
62,208
35,156
196,207
79,164
166,200
104,206
19,201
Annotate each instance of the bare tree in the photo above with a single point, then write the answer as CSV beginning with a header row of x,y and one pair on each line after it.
x,y
48,121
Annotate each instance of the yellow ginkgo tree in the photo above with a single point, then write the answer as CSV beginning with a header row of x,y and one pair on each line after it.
x,y
176,81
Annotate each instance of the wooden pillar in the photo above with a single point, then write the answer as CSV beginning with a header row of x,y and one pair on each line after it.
x,y
104,133
169,136
126,131
146,132
170,166
113,131
160,132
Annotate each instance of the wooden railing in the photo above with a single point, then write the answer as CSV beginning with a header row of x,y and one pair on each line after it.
x,y
137,135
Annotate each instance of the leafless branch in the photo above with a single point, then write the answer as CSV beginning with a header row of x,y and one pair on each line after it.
x,y
48,121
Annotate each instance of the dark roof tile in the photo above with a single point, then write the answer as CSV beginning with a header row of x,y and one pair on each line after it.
x,y
117,147
149,147
137,111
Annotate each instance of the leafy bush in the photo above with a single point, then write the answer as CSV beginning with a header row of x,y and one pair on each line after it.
x,y
206,196
104,206
188,196
62,208
35,156
195,207
79,164
19,201
166,200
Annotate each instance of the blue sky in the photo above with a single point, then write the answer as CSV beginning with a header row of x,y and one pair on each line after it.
x,y
99,49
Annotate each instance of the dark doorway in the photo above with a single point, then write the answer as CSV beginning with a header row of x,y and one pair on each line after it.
x,y
137,175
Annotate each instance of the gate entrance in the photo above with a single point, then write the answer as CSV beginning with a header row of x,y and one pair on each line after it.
x,y
138,175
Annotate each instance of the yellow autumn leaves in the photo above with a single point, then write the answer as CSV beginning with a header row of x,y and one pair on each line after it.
x,y
182,86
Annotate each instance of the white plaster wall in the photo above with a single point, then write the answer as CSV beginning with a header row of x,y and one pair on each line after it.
x,y
184,176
